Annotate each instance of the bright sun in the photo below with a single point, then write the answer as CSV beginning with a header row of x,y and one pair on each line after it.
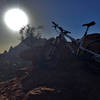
x,y
15,19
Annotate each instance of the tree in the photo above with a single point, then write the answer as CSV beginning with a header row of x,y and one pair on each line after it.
x,y
29,31
21,32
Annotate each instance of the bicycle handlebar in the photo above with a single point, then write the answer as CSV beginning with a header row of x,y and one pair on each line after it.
x,y
60,28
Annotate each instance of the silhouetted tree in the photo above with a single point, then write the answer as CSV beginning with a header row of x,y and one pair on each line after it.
x,y
29,31
21,32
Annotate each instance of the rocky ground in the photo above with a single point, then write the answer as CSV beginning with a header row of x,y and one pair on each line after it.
x,y
68,82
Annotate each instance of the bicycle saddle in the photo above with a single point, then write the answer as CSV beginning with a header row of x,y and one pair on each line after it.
x,y
89,24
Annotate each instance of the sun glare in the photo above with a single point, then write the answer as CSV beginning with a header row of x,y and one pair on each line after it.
x,y
15,19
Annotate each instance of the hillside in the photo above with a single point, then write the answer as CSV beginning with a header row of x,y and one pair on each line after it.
x,y
64,77
10,61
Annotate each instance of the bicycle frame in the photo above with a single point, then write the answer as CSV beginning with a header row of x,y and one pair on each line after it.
x,y
96,56
65,33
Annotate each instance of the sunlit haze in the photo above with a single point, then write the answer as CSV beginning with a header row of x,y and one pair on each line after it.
x,y
15,19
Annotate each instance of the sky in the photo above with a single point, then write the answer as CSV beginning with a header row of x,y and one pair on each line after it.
x,y
70,14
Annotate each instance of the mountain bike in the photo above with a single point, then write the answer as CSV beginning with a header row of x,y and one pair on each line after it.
x,y
55,47
90,47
